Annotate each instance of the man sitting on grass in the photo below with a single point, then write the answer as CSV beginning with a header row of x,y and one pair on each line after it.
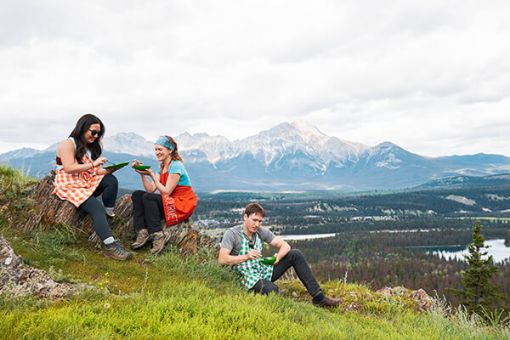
x,y
241,248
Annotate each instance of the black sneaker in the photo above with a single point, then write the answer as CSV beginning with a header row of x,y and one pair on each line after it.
x,y
116,251
327,302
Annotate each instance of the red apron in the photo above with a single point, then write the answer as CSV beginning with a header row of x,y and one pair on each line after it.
x,y
179,205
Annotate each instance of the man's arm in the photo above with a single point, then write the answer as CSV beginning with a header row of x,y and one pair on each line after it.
x,y
225,258
282,246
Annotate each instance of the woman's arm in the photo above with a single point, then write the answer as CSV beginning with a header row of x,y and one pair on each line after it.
x,y
66,153
171,183
147,185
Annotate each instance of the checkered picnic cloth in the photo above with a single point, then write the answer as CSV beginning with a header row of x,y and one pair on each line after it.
x,y
76,187
252,270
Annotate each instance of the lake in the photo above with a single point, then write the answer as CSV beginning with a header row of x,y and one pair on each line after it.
x,y
305,237
497,249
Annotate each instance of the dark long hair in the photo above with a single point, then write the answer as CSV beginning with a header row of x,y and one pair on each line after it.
x,y
82,126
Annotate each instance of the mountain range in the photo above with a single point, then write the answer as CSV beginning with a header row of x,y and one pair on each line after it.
x,y
288,157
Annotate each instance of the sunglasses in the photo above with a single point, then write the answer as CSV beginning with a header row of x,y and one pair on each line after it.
x,y
251,244
94,133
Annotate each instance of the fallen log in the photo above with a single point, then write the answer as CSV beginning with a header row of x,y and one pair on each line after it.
x,y
49,212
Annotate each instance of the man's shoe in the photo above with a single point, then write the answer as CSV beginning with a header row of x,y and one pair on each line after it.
x,y
116,251
327,302
141,239
160,239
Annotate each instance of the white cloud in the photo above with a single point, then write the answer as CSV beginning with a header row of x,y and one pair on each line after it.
x,y
432,77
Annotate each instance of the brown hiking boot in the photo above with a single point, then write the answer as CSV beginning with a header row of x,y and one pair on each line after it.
x,y
327,302
141,239
160,239
116,251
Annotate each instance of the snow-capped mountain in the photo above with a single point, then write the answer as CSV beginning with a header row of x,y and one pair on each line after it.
x,y
213,148
130,143
19,153
271,146
289,156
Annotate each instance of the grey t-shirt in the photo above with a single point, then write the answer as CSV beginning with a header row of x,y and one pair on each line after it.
x,y
233,237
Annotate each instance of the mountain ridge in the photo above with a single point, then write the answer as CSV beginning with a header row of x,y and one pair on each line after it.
x,y
289,156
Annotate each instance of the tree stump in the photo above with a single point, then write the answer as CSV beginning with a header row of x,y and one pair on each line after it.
x,y
50,212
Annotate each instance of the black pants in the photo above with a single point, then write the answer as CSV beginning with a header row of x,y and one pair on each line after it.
x,y
147,211
108,188
293,259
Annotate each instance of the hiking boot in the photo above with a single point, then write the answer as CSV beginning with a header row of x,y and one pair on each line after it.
x,y
141,239
160,239
116,251
327,302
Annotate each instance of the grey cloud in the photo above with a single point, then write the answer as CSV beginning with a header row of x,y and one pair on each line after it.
x,y
359,67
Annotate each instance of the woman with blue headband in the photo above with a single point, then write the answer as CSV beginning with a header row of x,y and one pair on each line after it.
x,y
175,201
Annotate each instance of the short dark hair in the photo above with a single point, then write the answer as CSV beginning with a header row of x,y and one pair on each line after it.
x,y
254,208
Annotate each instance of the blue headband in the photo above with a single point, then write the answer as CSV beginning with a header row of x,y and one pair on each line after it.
x,y
164,141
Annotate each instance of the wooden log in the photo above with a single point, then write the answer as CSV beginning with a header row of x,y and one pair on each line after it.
x,y
50,212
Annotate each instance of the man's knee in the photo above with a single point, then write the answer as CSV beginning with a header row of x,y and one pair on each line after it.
x,y
296,254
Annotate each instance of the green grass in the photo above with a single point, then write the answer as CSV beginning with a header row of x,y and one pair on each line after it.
x,y
171,296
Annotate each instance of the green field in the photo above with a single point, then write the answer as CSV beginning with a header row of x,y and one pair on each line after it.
x,y
172,296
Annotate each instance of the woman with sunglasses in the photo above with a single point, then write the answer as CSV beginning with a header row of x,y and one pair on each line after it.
x,y
175,202
80,178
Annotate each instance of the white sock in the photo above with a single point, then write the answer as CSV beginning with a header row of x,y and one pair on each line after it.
x,y
109,240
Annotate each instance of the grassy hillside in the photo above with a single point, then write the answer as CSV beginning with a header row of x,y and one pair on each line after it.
x,y
177,297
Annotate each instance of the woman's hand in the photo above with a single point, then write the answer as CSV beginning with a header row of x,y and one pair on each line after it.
x,y
136,162
99,161
150,173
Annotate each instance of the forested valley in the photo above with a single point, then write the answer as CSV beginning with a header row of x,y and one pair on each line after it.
x,y
381,238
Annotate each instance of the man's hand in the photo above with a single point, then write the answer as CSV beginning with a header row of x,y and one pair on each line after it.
x,y
277,259
253,254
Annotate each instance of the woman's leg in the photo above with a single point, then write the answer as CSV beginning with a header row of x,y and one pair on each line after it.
x,y
109,187
95,209
138,210
153,211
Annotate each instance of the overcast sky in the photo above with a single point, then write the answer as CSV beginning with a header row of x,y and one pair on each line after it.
x,y
431,76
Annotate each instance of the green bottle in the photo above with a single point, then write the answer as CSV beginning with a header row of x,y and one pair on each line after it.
x,y
268,260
